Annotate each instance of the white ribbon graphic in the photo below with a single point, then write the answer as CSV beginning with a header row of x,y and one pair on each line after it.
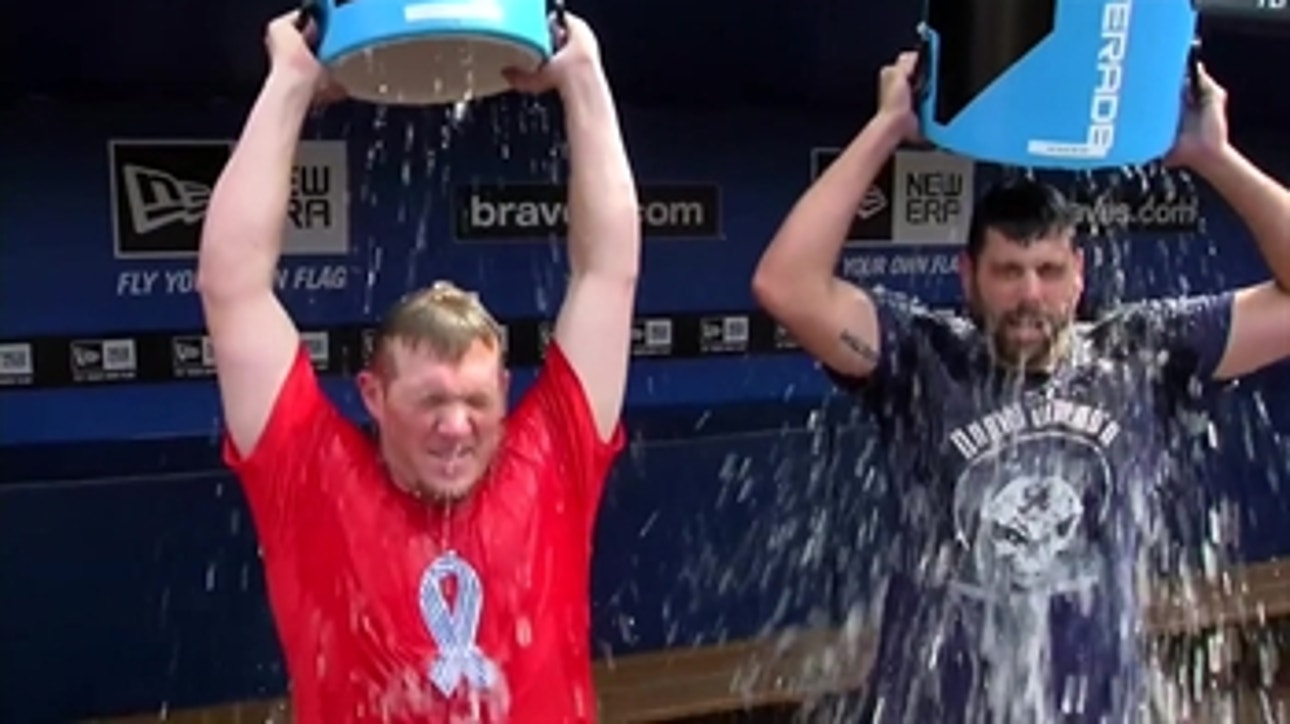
x,y
455,629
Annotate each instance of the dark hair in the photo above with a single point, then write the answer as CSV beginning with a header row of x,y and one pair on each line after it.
x,y
1021,209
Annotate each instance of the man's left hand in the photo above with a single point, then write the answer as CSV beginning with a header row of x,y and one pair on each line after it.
x,y
577,52
1203,132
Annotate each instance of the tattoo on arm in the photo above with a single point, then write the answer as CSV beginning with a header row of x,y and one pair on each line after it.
x,y
857,345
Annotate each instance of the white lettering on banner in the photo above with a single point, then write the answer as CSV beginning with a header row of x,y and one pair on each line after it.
x,y
486,214
181,281
318,214
310,208
869,266
545,215
136,283
172,282
1103,213
933,196
332,278
1104,106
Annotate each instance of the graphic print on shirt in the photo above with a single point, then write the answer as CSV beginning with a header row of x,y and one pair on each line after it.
x,y
1029,506
455,628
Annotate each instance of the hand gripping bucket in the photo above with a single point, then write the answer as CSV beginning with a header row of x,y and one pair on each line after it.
x,y
1064,84
427,52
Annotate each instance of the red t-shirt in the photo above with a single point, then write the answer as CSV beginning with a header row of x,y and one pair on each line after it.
x,y
359,572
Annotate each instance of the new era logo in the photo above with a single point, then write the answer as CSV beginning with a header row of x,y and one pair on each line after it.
x,y
723,334
87,355
160,190
95,360
157,199
919,197
873,203
873,218
651,337
192,356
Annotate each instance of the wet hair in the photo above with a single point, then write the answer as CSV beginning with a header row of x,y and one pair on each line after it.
x,y
444,318
1021,209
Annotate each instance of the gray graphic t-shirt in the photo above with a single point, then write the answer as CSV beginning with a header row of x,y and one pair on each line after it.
x,y
1020,507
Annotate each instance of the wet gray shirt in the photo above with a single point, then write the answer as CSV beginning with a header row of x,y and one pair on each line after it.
x,y
1020,510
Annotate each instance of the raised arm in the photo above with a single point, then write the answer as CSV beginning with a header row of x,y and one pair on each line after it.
x,y
594,326
795,281
1259,327
254,341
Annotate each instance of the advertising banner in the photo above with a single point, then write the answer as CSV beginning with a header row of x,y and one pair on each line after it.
x,y
185,355
526,211
919,198
912,223
99,296
160,189
1111,206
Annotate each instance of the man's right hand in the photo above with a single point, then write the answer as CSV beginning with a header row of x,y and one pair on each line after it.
x,y
896,95
577,55
255,341
291,57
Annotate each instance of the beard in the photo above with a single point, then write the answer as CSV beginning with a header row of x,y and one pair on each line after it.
x,y
1025,337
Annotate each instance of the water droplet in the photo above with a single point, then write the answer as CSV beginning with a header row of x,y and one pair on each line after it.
x,y
523,632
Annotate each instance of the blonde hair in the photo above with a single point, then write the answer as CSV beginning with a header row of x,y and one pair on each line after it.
x,y
444,318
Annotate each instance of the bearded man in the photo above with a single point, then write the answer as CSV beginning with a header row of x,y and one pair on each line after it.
x,y
1023,448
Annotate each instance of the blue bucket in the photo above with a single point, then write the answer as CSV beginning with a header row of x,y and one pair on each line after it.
x,y
1063,84
428,52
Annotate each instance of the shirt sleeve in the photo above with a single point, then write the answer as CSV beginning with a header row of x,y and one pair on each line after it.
x,y
279,475
1191,332
556,417
898,316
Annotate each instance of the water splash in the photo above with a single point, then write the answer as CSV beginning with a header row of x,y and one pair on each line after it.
x,y
1192,531
811,513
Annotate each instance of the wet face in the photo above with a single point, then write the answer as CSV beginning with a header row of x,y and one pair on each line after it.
x,y
440,422
1025,295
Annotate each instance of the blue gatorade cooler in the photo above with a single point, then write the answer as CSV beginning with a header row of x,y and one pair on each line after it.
x,y
1066,84
428,52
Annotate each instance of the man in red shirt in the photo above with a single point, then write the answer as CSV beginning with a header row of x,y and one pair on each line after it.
x,y
439,572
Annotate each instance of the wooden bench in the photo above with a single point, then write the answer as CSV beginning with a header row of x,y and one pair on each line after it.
x,y
798,667
661,685
1248,595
